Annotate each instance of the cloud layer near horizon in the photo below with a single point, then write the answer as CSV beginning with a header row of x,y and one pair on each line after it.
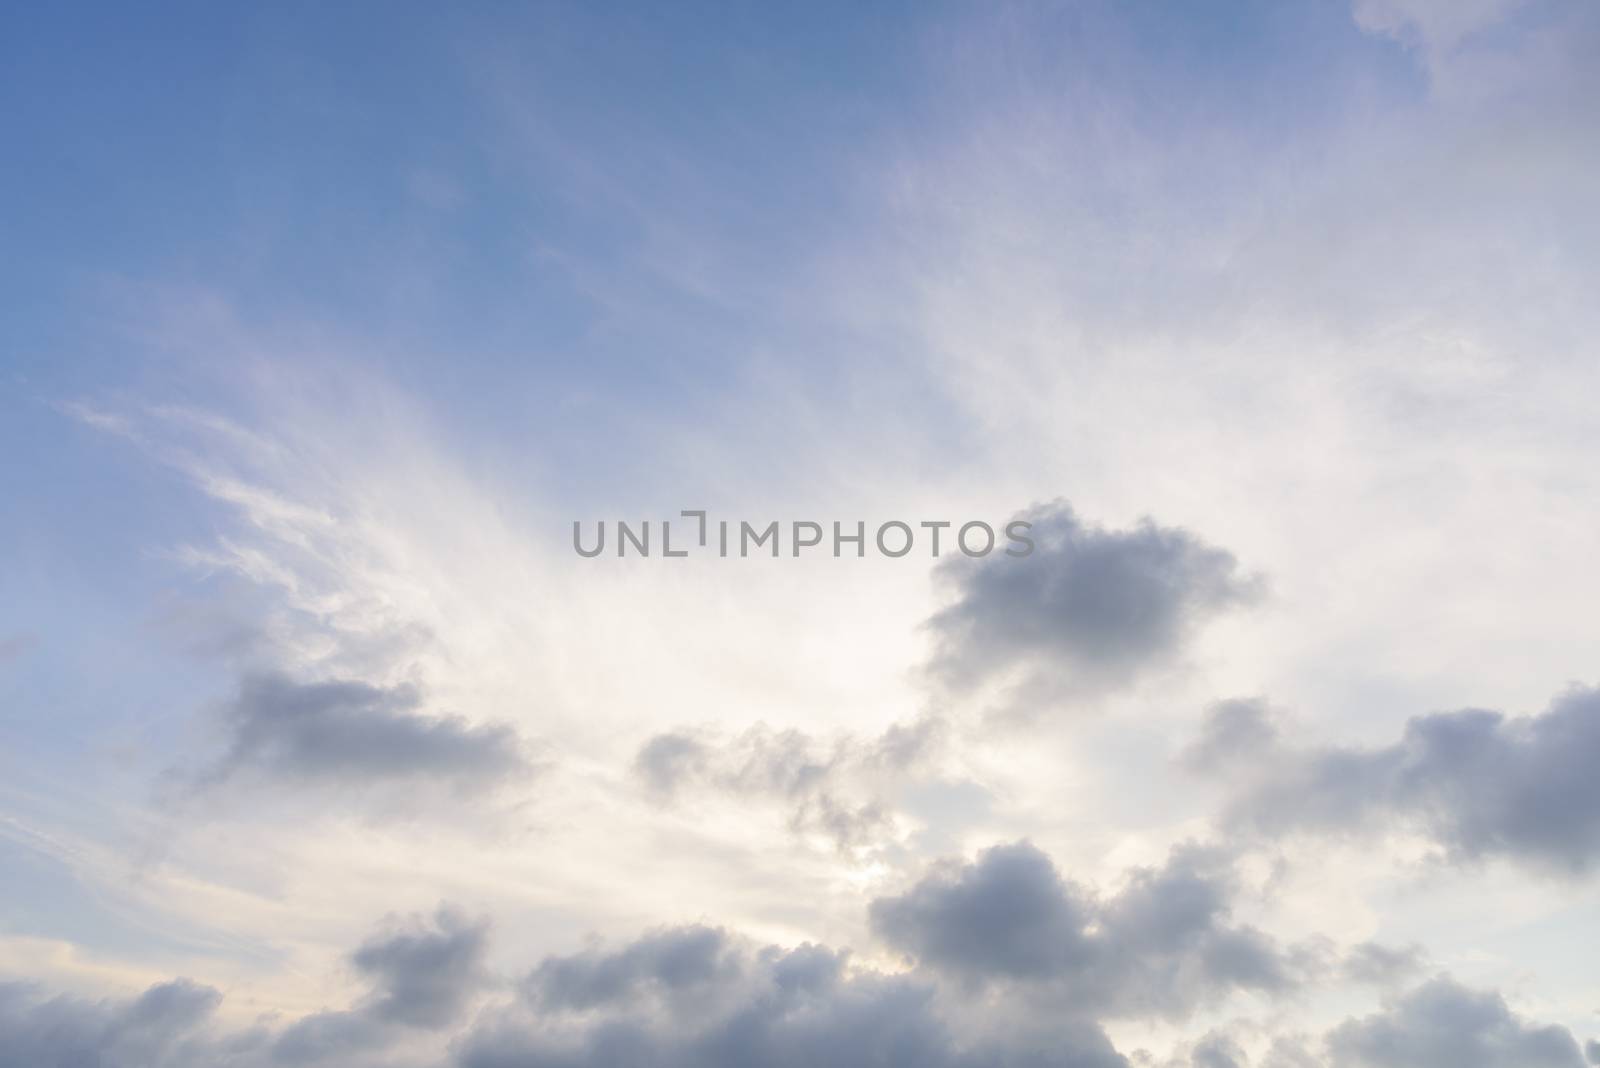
x,y
701,996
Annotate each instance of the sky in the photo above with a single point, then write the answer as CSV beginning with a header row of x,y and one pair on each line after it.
x,y
328,325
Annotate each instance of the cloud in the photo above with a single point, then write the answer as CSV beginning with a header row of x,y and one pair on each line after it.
x,y
423,977
1218,1051
1161,946
1233,731
833,789
160,1027
699,997
1089,610
347,735
1476,783
1291,1051
666,963
1444,1025
1380,965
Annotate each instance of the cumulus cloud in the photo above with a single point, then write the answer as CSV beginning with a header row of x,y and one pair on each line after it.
x,y
1444,1025
422,976
668,963
702,998
1477,783
1163,945
425,974
1218,1051
834,789
161,1027
348,735
1089,610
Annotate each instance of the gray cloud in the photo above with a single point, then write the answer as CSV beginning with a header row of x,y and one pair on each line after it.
x,y
1218,1051
1090,610
423,974
1234,731
423,977
1291,1051
1438,1024
1591,1050
1163,945
1380,965
832,788
698,998
158,1028
1476,782
1443,1025
349,734
665,964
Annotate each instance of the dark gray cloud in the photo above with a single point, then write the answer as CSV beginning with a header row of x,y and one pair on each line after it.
x,y
1089,610
698,998
665,964
1479,784
1591,1050
161,1027
1162,945
1444,1025
834,788
349,735
423,976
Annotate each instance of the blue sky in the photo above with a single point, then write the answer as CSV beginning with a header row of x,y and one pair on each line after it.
x,y
326,322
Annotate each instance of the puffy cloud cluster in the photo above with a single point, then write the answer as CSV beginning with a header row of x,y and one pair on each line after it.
x,y
423,977
1162,946
160,1027
1090,610
1438,1024
984,991
698,997
1442,1024
1477,783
